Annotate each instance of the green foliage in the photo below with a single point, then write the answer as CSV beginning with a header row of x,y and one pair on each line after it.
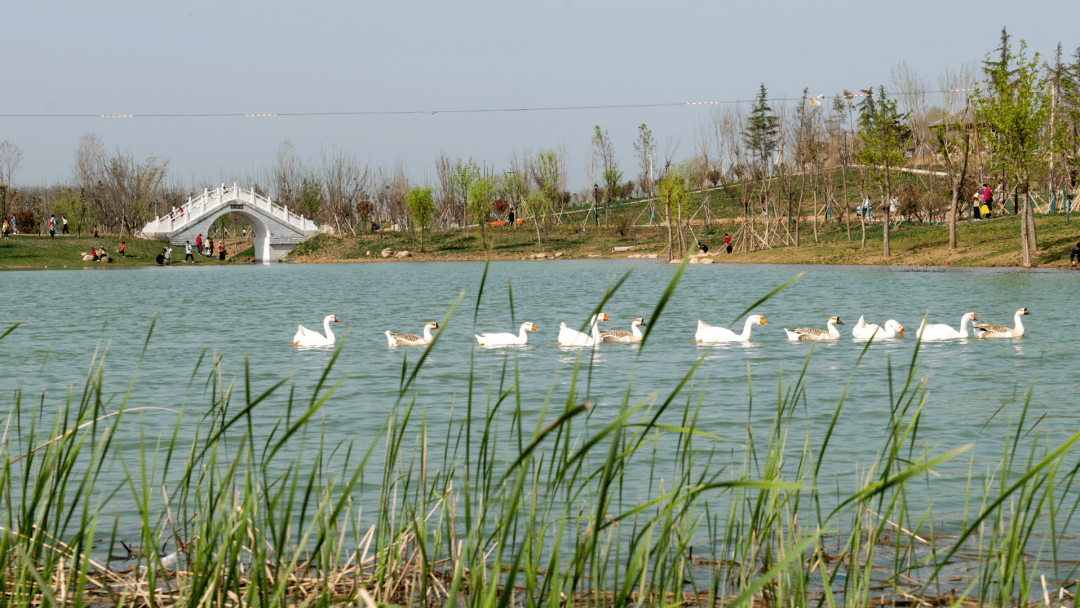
x,y
465,174
311,199
546,173
421,203
76,209
884,133
762,134
1014,105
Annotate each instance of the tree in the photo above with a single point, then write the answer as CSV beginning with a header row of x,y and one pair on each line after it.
x,y
461,181
645,147
610,175
482,194
11,158
288,175
1014,104
421,203
671,187
310,199
954,138
885,134
762,134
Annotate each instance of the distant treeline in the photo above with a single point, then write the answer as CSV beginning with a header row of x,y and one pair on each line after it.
x,y
1003,130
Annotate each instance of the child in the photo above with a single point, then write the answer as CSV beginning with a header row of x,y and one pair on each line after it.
x,y
123,249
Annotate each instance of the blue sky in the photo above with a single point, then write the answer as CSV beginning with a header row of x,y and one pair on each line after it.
x,y
66,57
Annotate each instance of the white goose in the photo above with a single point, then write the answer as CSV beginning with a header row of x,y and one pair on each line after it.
x,y
710,333
393,339
621,335
307,337
986,330
573,337
813,334
940,331
507,338
866,331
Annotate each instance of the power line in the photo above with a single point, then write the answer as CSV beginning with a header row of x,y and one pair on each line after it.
x,y
434,112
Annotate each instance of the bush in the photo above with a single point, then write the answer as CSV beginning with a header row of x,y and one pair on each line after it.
x,y
25,221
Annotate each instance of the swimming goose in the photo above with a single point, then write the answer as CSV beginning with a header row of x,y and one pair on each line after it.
x,y
307,337
710,333
506,338
986,330
573,337
393,339
621,335
812,334
940,331
865,331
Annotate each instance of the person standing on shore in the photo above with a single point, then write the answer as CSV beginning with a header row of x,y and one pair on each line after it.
x,y
168,255
221,251
63,221
1074,255
727,241
198,243
4,230
123,249
187,252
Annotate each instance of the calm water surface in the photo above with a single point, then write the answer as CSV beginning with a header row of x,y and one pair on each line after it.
x,y
976,388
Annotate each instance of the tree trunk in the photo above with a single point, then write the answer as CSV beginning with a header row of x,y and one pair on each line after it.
x,y
667,213
862,222
885,212
957,183
1032,236
952,215
1023,233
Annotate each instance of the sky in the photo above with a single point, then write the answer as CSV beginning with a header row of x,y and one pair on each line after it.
x,y
439,58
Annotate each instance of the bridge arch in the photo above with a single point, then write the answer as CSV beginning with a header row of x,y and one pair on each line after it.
x,y
277,230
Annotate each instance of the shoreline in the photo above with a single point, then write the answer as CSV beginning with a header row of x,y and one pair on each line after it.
x,y
992,244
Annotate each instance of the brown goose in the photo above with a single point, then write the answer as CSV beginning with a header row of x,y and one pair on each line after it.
x,y
812,334
393,339
621,335
986,330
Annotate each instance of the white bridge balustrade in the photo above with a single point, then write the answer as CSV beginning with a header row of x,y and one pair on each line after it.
x,y
277,230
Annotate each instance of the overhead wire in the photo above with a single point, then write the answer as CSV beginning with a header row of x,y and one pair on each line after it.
x,y
846,95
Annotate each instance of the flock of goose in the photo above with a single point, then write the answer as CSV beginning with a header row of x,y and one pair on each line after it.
x,y
705,332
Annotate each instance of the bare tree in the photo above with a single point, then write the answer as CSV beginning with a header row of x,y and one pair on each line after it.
x,y
11,158
125,190
288,175
448,203
910,88
953,134
345,183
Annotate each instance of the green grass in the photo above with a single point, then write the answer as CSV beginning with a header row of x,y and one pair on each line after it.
x,y
38,252
504,507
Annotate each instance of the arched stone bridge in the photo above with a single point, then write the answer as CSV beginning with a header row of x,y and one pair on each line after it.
x,y
277,230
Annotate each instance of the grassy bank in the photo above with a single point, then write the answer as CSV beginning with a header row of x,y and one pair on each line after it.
x,y
985,243
32,252
509,505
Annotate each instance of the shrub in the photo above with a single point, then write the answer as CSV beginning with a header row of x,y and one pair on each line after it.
x,y
25,221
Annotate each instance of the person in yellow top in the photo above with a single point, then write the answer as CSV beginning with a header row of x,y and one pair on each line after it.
x,y
123,249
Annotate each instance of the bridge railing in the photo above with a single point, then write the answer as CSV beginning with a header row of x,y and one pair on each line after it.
x,y
212,200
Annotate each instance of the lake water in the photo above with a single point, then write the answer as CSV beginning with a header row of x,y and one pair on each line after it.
x,y
976,387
